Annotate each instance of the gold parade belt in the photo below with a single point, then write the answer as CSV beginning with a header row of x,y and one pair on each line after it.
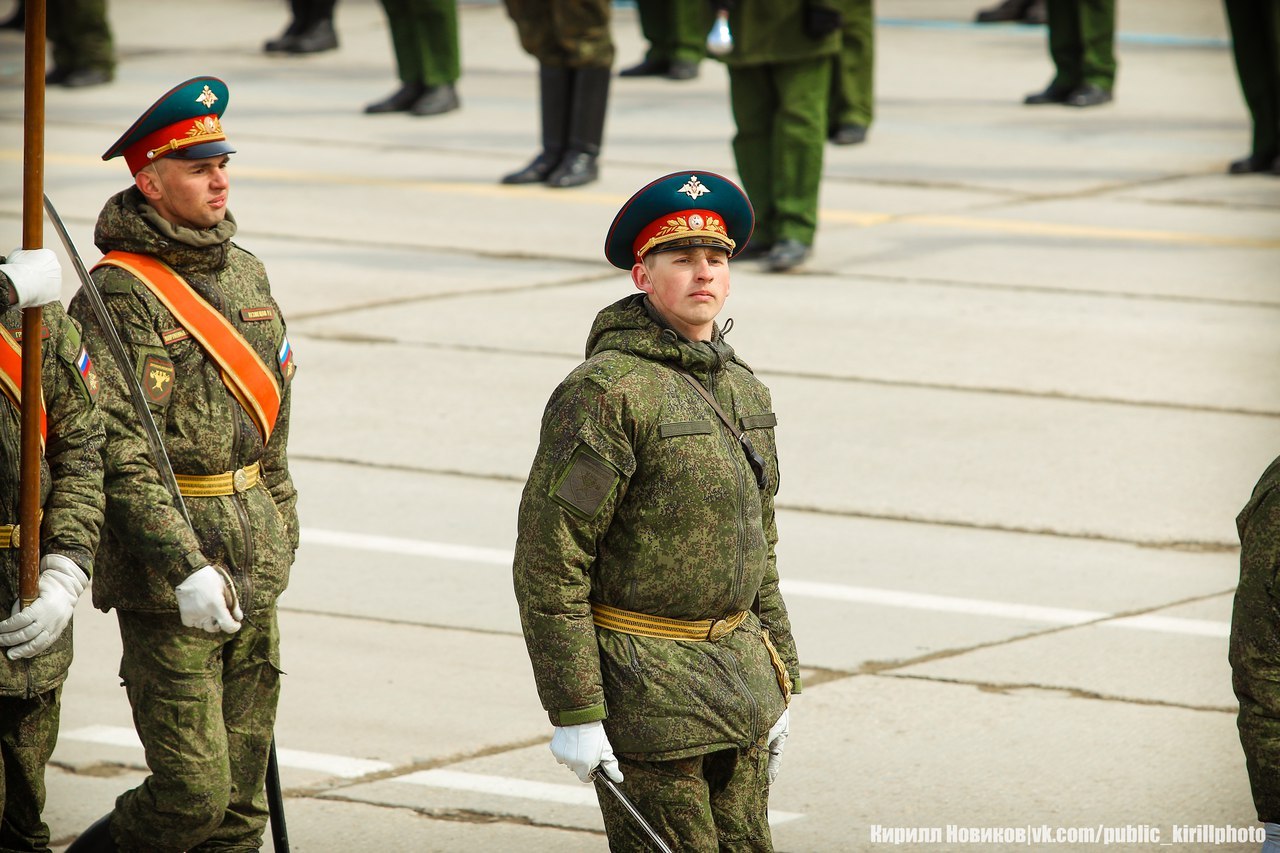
x,y
213,485
10,533
644,625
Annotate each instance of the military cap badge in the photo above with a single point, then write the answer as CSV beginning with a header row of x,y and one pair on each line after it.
x,y
680,209
185,122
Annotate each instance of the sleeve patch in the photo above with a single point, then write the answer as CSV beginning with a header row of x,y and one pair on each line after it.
x,y
585,484
157,375
84,366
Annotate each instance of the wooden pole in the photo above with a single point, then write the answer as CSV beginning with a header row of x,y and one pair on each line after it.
x,y
32,238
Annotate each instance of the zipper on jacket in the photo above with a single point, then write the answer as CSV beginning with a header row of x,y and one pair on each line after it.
x,y
738,460
751,700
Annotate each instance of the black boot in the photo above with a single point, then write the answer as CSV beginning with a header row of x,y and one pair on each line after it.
x,y
555,85
399,101
284,42
96,839
587,110
317,38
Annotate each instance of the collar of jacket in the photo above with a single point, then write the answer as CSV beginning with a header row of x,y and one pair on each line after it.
x,y
128,224
634,326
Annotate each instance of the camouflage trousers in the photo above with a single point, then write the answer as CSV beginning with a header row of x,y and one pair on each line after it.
x,y
564,33
28,732
204,706
702,804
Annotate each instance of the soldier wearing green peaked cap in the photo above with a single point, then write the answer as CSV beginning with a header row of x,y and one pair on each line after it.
x,y
644,568
195,601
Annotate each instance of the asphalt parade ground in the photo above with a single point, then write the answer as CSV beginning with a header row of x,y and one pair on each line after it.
x,y
1023,387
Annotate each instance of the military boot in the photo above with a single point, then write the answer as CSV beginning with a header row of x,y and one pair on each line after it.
x,y
587,110
284,42
96,839
555,86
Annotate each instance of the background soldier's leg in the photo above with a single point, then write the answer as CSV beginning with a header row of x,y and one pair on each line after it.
x,y
28,732
799,139
1065,45
656,25
1254,25
437,25
739,786
250,693
672,796
173,678
1097,39
690,23
853,78
404,40
755,101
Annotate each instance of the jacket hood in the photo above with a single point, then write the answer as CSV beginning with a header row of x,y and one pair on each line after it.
x,y
128,224
632,325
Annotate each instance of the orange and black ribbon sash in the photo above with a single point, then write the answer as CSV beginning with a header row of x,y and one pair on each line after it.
x,y
250,381
11,377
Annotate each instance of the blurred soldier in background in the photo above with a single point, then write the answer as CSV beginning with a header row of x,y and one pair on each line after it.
x,y
779,85
1082,35
853,77
677,34
84,53
1255,43
1026,11
424,34
573,46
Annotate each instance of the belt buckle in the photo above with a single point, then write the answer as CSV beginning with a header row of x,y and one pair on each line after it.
x,y
240,480
719,628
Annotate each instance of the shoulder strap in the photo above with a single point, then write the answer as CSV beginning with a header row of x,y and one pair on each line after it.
x,y
753,456
248,379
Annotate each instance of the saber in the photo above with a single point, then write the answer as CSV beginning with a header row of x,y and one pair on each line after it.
x,y
598,775
275,799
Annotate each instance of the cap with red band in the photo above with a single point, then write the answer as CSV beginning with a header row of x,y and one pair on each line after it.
x,y
678,210
185,122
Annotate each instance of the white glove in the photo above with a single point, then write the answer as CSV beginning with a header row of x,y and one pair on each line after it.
x,y
778,740
583,748
37,626
207,600
36,276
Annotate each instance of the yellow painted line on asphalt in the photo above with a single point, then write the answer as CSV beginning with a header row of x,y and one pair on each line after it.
x,y
862,219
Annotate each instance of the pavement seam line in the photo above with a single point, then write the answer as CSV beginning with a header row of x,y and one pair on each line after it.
x,y
1074,692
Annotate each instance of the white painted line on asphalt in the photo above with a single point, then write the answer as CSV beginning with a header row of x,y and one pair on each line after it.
x,y
413,547
352,768
504,786
332,765
810,589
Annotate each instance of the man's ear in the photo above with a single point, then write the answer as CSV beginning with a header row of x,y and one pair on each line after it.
x,y
640,277
148,182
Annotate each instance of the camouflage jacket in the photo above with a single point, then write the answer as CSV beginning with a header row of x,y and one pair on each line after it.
x,y
1255,642
147,548
773,31
70,483
640,499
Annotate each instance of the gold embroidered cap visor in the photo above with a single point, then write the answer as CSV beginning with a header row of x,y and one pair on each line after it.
x,y
185,122
682,209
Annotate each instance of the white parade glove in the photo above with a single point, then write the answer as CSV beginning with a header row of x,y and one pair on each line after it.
x,y
584,747
37,626
207,600
778,740
36,276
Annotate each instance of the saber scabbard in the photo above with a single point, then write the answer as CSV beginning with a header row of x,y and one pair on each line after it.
x,y
598,775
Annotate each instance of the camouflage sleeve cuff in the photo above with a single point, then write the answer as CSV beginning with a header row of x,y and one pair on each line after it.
x,y
795,685
578,717
193,562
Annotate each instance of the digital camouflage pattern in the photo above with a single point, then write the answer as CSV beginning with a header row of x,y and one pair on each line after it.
x,y
70,484
564,33
28,733
717,801
206,741
148,549
664,518
1255,642
72,503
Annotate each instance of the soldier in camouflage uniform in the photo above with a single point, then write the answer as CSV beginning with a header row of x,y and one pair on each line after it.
x,y
573,46
84,53
37,639
196,608
644,566
779,84
1255,647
